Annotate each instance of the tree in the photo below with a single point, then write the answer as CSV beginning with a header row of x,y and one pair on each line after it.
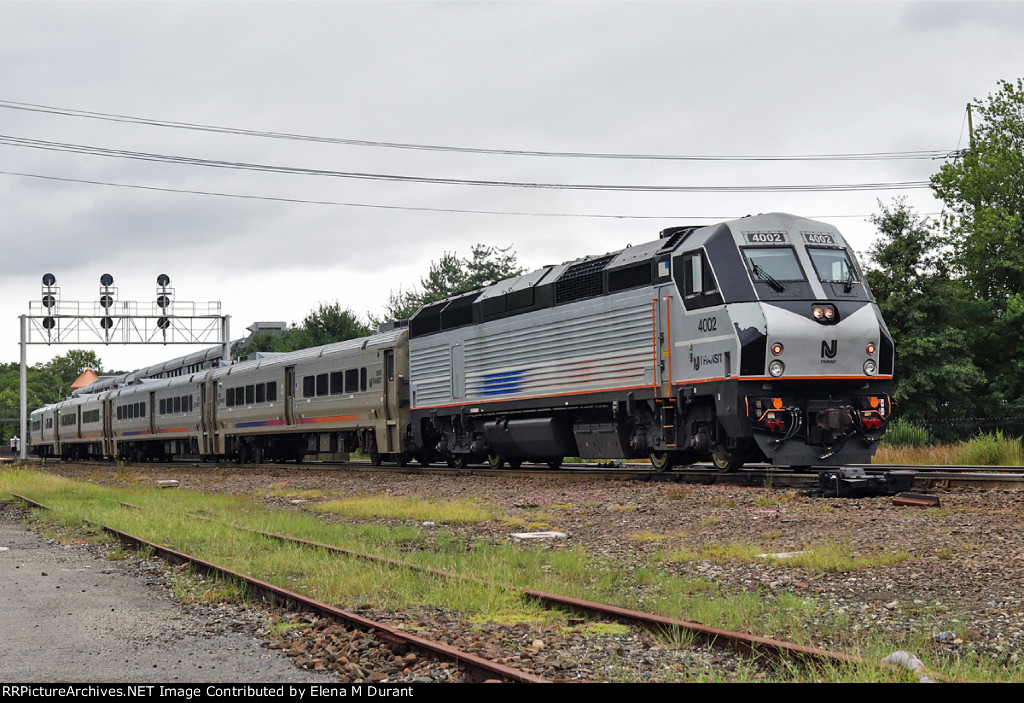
x,y
984,197
929,314
71,365
329,323
325,325
451,275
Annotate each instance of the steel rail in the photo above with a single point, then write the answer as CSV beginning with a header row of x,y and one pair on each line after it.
x,y
657,624
483,668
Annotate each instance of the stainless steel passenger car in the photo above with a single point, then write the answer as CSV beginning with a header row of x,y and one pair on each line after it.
x,y
336,398
751,340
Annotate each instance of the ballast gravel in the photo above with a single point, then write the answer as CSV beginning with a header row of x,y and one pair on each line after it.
x,y
957,583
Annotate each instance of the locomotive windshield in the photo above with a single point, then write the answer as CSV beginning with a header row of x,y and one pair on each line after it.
x,y
833,265
773,263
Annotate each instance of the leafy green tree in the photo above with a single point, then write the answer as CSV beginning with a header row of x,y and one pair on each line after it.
x,y
451,275
325,325
329,323
70,366
984,198
929,314
41,385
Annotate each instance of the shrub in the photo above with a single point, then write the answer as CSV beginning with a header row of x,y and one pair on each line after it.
x,y
904,433
990,449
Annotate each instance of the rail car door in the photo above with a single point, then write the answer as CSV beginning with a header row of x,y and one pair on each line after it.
x,y
108,427
205,419
391,405
289,395
78,422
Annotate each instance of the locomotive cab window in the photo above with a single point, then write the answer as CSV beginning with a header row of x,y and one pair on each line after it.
x,y
777,262
833,265
695,280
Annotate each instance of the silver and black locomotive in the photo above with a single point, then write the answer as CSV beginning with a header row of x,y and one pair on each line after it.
x,y
753,340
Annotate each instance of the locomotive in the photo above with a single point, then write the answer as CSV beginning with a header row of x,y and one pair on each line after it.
x,y
752,340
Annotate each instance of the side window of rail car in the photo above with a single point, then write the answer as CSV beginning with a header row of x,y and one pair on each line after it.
x,y
308,386
352,380
230,397
695,280
271,391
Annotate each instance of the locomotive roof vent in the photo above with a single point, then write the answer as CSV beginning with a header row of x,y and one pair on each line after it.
x,y
582,280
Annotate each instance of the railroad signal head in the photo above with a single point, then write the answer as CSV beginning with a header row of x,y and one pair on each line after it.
x,y
49,279
163,280
49,323
106,323
163,323
163,301
49,301
106,280
106,300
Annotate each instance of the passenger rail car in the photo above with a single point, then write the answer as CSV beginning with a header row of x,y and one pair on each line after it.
x,y
334,398
751,340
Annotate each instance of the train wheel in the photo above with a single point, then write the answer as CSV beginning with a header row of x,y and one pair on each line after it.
x,y
457,461
496,461
515,464
375,458
555,463
725,462
662,461
423,460
403,459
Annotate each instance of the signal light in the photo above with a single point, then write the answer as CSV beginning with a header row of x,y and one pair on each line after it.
x,y
871,348
777,403
776,349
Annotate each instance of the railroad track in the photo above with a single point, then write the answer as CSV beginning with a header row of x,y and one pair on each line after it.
x,y
478,668
936,476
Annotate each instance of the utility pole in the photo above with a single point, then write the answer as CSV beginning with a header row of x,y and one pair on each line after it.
x,y
970,126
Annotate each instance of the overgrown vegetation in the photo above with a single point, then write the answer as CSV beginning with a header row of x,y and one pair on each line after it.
x,y
206,525
908,444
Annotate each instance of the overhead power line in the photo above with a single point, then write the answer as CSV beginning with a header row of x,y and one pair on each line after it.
x,y
243,196
291,170
921,154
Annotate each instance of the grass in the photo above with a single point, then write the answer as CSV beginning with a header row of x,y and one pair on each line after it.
x,y
665,585
985,449
826,557
407,508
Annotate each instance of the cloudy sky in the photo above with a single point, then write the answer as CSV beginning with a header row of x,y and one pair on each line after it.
x,y
655,79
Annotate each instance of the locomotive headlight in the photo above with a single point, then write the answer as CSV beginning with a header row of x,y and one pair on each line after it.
x,y
776,368
871,348
869,367
776,349
830,313
818,312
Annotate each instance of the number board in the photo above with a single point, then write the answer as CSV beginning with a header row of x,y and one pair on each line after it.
x,y
766,237
820,238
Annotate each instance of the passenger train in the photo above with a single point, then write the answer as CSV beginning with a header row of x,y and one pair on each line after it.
x,y
753,340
